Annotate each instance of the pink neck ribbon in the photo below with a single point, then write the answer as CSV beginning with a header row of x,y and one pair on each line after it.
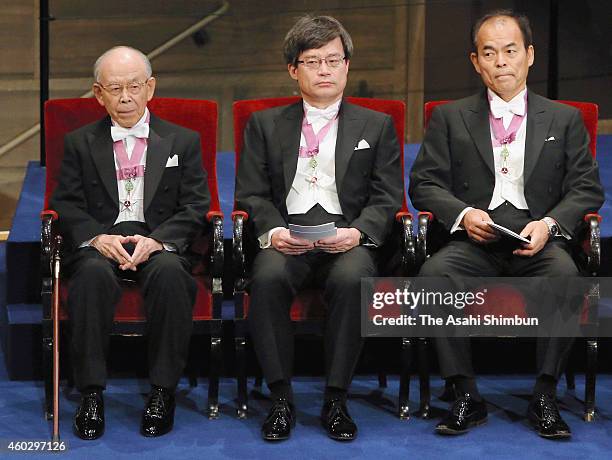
x,y
312,140
502,135
130,167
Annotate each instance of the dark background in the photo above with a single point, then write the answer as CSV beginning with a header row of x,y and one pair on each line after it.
x,y
584,48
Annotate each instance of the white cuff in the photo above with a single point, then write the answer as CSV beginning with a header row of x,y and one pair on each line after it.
x,y
457,225
265,240
87,243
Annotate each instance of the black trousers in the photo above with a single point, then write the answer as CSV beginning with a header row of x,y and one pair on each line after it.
x,y
95,287
276,279
462,258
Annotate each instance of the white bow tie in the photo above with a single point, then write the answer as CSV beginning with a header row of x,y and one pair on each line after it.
x,y
328,113
118,133
500,107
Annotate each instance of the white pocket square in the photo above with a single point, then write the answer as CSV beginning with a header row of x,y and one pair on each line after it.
x,y
172,161
551,138
363,144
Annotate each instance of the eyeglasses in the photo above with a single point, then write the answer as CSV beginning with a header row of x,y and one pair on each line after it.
x,y
333,61
116,89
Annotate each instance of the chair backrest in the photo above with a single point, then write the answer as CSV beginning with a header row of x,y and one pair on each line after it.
x,y
243,110
65,115
589,112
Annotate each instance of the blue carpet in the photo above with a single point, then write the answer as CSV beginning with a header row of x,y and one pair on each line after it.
x,y
382,434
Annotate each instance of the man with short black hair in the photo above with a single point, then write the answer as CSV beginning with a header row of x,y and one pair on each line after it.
x,y
520,160
317,161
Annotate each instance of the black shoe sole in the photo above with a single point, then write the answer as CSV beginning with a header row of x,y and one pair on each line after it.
x,y
158,434
553,436
274,438
450,432
86,438
341,438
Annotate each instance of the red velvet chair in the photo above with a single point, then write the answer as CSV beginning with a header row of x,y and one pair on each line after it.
x,y
65,115
308,309
512,302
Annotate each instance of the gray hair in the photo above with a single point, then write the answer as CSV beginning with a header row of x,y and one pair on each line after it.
x,y
312,32
145,60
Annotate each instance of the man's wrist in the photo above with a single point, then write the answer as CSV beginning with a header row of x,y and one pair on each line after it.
x,y
553,227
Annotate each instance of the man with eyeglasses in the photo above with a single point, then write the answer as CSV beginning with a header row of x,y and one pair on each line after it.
x,y
318,161
131,197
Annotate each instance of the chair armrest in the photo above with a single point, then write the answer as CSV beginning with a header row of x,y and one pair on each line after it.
x,y
216,254
50,243
239,261
47,240
593,246
238,250
425,218
407,246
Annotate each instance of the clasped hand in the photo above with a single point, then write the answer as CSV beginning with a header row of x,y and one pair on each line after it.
x,y
111,247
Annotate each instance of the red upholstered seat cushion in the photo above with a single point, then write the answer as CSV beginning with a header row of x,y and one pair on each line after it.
x,y
131,306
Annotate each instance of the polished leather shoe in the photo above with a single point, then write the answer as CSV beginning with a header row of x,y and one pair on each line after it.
x,y
465,414
337,421
543,414
158,416
280,421
89,417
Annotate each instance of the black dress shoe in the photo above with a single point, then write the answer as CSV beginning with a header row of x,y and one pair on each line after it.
x,y
280,420
158,416
465,414
337,421
89,417
543,414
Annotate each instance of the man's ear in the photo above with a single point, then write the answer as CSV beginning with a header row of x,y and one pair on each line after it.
x,y
98,93
530,55
474,59
150,88
292,71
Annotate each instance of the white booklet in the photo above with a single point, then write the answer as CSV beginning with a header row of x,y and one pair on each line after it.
x,y
313,232
508,232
